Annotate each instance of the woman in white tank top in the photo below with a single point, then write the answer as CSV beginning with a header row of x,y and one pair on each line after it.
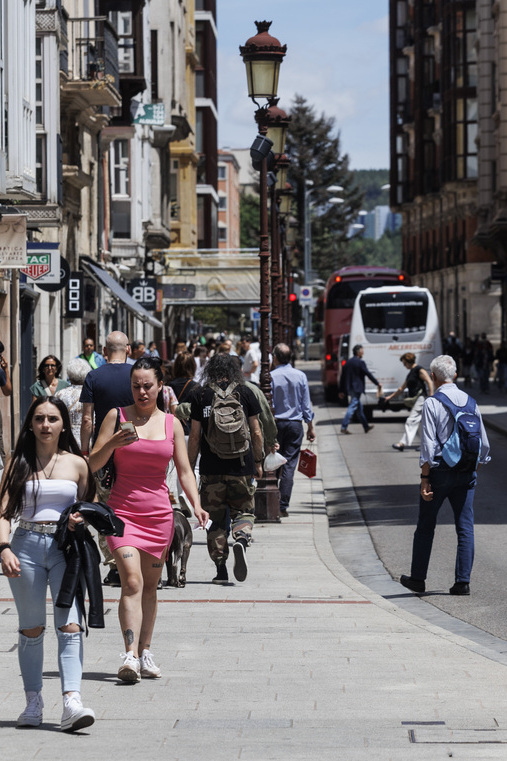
x,y
46,474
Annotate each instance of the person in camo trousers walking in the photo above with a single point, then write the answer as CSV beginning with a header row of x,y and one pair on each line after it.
x,y
227,486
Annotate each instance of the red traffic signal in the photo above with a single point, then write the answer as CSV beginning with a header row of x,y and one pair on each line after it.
x,y
293,297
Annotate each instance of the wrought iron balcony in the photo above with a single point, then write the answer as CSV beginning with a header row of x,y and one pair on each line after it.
x,y
90,63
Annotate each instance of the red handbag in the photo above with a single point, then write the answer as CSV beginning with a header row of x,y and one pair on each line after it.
x,y
307,463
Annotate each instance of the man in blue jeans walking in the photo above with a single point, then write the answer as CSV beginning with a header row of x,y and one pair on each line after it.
x,y
292,406
352,383
439,481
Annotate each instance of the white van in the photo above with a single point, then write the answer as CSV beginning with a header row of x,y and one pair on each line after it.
x,y
388,322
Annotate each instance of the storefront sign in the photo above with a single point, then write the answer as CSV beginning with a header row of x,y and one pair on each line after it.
x,y
12,241
144,291
74,301
43,262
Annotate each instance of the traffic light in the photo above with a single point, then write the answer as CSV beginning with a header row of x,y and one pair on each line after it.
x,y
293,298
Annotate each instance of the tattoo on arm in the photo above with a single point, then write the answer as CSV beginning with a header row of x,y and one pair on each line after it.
x,y
128,554
157,565
129,636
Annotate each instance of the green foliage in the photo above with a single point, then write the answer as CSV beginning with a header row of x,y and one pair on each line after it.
x,y
211,316
370,182
314,148
249,220
383,252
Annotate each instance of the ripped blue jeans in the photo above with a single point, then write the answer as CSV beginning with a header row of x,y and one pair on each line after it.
x,y
42,563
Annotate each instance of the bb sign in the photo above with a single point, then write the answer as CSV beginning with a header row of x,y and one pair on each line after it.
x,y
144,291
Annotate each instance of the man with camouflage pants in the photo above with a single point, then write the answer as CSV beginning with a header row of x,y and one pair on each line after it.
x,y
227,486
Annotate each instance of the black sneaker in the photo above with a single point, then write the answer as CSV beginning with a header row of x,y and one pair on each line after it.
x,y
112,579
416,585
460,588
222,576
240,567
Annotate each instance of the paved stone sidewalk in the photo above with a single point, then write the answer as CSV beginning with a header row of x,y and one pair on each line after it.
x,y
300,662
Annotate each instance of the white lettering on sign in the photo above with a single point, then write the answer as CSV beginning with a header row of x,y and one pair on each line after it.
x,y
144,293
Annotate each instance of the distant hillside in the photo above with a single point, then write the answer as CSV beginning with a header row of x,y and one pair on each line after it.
x,y
370,181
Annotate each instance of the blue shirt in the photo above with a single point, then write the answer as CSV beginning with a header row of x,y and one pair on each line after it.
x,y
291,395
437,425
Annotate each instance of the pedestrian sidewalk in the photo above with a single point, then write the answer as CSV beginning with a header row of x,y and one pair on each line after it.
x,y
300,662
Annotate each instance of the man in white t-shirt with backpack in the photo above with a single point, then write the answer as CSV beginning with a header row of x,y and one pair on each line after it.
x,y
453,444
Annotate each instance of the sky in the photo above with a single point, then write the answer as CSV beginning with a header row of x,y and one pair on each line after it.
x,y
337,58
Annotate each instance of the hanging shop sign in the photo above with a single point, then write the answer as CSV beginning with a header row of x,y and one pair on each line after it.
x,y
43,263
144,291
12,241
74,295
150,113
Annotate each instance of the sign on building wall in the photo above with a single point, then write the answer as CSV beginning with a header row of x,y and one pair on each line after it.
x,y
150,113
43,262
12,241
144,291
74,295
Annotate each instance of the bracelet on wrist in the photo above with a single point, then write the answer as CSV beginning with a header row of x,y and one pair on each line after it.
x,y
85,452
424,476
4,546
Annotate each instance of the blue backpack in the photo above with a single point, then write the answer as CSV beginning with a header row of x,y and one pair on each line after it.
x,y
463,447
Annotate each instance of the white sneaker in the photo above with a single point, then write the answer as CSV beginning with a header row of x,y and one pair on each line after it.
x,y
74,715
148,668
32,715
130,671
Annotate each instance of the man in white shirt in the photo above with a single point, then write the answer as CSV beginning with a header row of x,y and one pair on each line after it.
x,y
252,360
441,480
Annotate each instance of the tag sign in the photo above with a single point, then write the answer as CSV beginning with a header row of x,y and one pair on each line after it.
x,y
150,113
43,262
144,291
74,302
12,241
305,295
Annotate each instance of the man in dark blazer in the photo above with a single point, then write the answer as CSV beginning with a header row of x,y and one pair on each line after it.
x,y
352,383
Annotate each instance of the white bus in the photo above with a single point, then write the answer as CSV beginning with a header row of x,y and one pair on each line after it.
x,y
388,322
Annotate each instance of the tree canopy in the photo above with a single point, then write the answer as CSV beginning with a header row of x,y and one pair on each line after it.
x,y
313,144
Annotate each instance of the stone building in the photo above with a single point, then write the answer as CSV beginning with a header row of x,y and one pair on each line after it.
x,y
448,172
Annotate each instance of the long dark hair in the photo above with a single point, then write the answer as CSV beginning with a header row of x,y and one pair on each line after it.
x,y
23,464
152,363
40,369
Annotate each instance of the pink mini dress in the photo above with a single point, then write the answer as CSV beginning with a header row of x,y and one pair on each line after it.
x,y
140,496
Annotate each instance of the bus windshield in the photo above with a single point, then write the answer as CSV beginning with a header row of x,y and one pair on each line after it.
x,y
343,295
401,313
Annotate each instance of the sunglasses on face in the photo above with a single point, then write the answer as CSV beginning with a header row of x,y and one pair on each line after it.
x,y
49,365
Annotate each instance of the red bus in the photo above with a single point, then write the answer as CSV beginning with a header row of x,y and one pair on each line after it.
x,y
339,297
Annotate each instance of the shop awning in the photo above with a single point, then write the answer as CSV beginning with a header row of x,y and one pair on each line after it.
x,y
104,278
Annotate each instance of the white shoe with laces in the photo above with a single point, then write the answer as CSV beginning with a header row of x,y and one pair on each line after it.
x,y
32,715
130,671
148,668
75,715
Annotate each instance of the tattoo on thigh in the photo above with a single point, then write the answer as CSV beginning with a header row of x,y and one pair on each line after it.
x,y
157,565
129,636
128,554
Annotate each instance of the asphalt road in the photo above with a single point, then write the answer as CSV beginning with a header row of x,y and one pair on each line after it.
x,y
387,486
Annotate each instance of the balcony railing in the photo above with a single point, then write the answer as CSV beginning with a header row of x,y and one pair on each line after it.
x,y
92,51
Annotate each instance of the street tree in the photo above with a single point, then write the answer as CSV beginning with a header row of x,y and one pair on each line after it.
x,y
313,144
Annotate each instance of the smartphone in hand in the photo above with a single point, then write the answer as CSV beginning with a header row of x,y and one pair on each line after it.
x,y
128,425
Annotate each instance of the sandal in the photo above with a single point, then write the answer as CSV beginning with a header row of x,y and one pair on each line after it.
x,y
399,447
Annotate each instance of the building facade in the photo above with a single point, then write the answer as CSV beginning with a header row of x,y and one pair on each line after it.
x,y
228,201
446,154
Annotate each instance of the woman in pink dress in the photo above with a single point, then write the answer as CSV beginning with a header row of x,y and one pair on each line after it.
x,y
141,499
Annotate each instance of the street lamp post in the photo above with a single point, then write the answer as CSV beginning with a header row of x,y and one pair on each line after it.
x,y
262,55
